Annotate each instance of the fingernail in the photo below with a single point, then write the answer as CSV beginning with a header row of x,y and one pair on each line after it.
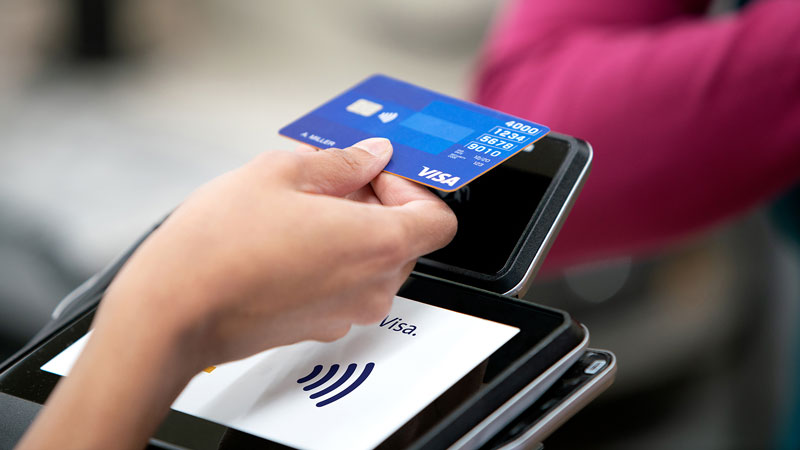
x,y
377,146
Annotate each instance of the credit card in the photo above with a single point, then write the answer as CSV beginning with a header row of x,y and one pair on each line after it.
x,y
439,141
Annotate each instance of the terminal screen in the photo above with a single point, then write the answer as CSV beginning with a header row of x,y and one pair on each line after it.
x,y
354,393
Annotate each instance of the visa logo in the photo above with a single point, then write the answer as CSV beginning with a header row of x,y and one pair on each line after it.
x,y
397,324
439,176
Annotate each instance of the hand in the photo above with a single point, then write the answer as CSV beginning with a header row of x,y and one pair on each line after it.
x,y
290,247
270,254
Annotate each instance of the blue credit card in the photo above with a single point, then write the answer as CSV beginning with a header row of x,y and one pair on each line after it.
x,y
438,141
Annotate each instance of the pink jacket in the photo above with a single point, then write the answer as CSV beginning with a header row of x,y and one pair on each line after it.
x,y
693,119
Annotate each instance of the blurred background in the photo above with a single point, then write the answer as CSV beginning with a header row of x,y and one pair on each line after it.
x,y
112,111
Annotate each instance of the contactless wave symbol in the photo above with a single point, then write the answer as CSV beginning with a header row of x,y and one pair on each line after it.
x,y
348,373
387,117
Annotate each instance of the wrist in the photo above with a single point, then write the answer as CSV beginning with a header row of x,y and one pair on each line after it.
x,y
121,387
153,328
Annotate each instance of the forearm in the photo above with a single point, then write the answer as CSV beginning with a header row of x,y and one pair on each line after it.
x,y
121,387
692,120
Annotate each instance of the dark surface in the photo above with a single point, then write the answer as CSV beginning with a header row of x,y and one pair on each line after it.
x,y
487,237
15,416
493,219
562,390
94,31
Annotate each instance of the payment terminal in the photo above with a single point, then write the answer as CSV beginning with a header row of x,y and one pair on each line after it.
x,y
458,362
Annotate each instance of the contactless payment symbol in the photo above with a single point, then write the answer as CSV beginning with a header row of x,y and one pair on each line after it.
x,y
387,117
348,373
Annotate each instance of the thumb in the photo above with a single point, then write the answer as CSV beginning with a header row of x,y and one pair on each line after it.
x,y
339,172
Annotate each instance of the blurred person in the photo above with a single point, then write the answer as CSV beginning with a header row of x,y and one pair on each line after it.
x,y
694,119
289,247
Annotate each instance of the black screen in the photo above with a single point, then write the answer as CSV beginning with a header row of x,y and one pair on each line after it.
x,y
491,222
495,210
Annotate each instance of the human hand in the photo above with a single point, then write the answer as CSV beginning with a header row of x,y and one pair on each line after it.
x,y
289,247
271,253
